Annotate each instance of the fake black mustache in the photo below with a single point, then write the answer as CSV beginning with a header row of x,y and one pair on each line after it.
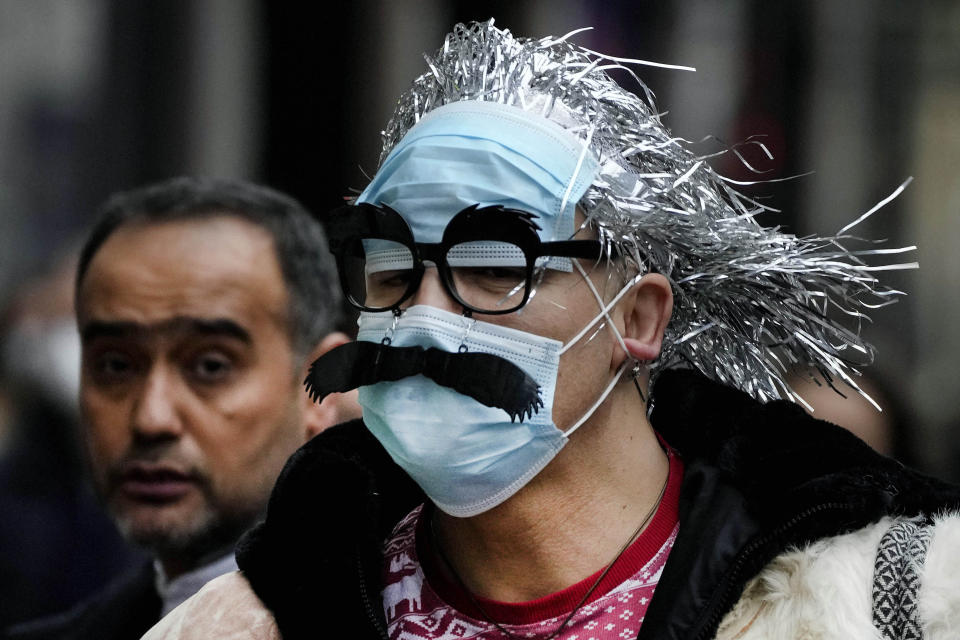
x,y
488,379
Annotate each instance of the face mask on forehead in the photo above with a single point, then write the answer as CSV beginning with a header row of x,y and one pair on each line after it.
x,y
480,153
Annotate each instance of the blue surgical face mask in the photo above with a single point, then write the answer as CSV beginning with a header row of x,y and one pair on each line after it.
x,y
467,457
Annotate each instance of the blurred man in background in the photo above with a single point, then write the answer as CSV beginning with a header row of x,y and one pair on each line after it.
x,y
200,304
888,430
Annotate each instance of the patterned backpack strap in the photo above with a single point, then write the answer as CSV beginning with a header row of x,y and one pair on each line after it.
x,y
896,580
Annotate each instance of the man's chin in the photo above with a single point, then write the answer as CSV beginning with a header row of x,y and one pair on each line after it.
x,y
155,531
187,531
168,530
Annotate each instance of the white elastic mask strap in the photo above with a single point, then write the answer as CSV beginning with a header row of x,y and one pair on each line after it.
x,y
576,171
603,396
604,310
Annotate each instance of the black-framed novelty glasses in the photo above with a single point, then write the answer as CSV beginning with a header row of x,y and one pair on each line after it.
x,y
486,258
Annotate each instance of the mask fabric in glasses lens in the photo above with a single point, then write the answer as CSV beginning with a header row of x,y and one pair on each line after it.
x,y
378,272
488,275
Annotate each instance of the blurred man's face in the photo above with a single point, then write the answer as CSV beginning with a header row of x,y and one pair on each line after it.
x,y
189,389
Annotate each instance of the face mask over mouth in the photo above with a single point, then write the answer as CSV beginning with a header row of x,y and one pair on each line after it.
x,y
467,457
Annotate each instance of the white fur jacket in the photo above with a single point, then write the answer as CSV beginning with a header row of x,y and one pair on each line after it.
x,y
820,592
825,590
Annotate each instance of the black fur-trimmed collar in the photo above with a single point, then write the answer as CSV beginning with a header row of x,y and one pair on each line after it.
x,y
772,451
334,504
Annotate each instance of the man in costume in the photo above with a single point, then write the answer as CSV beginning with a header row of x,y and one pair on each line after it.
x,y
200,305
535,252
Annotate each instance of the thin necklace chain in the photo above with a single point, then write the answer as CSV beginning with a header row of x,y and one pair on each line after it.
x,y
583,600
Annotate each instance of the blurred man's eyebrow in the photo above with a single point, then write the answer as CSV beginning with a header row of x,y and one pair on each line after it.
x,y
218,327
179,324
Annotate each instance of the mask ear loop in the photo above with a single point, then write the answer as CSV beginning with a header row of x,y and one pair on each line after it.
x,y
576,170
637,364
604,310
604,313
603,396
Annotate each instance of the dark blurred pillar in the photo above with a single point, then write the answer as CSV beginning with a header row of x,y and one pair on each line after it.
x,y
318,59
774,99
141,132
310,84
637,30
507,15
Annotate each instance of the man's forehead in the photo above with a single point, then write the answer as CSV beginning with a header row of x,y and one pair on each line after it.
x,y
477,153
151,274
223,231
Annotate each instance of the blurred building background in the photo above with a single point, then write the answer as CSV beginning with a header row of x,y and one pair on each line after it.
x,y
101,95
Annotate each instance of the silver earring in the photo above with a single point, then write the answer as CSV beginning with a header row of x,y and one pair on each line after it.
x,y
638,366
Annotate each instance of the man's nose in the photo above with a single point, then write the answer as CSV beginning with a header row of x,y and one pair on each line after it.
x,y
431,292
155,413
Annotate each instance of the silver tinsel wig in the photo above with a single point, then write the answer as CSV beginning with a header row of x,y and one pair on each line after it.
x,y
750,303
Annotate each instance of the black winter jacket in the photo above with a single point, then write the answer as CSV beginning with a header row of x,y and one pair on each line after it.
x,y
124,610
758,479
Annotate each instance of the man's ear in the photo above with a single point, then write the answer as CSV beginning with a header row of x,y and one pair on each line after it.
x,y
336,407
646,317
